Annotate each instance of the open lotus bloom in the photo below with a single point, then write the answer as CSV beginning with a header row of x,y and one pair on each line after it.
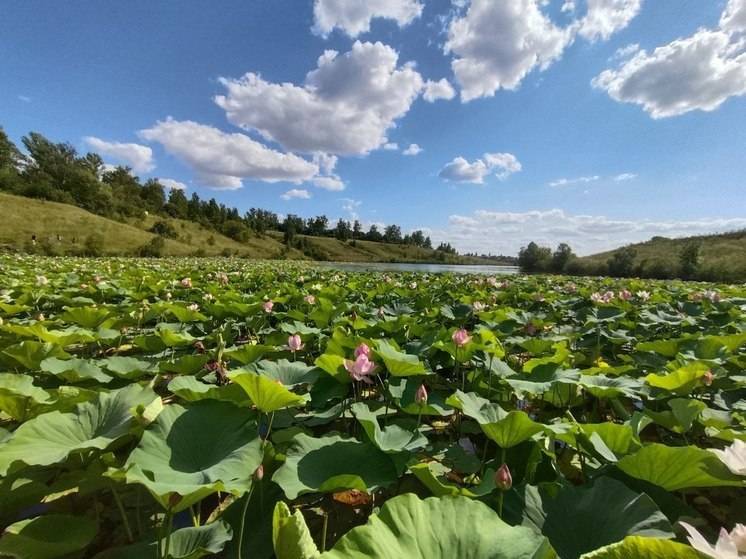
x,y
730,545
734,457
361,368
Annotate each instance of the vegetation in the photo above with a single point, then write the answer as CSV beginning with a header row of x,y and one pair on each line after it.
x,y
191,407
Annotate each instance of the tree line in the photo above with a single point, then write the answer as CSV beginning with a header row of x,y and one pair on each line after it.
x,y
57,172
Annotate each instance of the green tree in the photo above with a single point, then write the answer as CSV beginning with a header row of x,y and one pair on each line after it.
x,y
392,234
689,260
177,205
534,258
561,258
622,263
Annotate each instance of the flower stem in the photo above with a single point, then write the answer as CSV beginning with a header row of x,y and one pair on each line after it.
x,y
125,521
243,521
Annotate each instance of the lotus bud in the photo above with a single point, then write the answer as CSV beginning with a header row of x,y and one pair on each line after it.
x,y
362,349
461,337
259,473
421,395
39,317
267,306
707,378
295,343
503,479
199,346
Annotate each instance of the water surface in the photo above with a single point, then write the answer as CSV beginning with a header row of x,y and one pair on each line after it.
x,y
423,268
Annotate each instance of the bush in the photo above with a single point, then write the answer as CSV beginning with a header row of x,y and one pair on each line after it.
x,y
94,245
154,248
164,229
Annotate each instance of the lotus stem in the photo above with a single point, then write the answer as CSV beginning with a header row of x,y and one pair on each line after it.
x,y
125,521
243,521
323,532
168,521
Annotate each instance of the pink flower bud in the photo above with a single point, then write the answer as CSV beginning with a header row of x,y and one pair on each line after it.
x,y
503,479
461,337
267,306
421,395
295,343
707,378
259,473
310,299
362,349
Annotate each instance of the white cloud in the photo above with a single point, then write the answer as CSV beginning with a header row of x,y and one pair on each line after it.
x,y
625,177
327,178
391,146
344,107
496,44
625,52
139,157
606,17
566,182
734,16
442,89
351,206
172,184
296,193
222,160
413,149
505,232
354,16
693,73
461,170
332,182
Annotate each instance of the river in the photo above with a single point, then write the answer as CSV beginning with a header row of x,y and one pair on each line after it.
x,y
416,267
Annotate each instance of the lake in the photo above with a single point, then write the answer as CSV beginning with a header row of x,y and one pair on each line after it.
x,y
423,268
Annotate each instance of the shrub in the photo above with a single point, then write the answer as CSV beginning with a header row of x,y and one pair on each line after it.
x,y
164,229
154,248
94,245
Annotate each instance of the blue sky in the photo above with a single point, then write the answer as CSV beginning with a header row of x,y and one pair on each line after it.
x,y
595,122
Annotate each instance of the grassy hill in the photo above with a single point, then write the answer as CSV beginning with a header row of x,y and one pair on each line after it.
x,y
24,217
722,257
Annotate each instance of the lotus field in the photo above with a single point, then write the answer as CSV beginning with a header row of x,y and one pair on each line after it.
x,y
194,407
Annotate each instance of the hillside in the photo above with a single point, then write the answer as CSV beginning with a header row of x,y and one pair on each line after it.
x,y
25,217
722,257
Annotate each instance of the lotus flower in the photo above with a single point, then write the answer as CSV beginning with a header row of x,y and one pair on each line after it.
x,y
503,479
421,395
729,545
461,337
604,297
478,306
167,296
41,280
643,295
707,378
361,368
310,299
259,473
734,457
625,295
295,343
362,349
186,282
193,307
267,306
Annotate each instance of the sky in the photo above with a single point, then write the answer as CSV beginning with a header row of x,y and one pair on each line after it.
x,y
486,123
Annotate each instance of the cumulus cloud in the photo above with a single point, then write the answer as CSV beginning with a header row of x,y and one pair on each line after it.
x,y
606,17
351,206
222,160
296,193
496,44
506,232
625,177
566,182
502,165
391,146
139,157
331,182
413,149
699,72
344,107
172,184
442,89
353,17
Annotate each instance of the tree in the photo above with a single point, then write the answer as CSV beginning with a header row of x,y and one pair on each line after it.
x,y
689,260
561,258
153,196
317,225
622,262
392,234
374,234
177,205
343,231
10,157
533,258
292,226
357,229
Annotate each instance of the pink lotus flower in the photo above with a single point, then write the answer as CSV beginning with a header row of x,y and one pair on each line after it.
x,y
361,368
604,297
503,479
461,337
186,282
362,349
222,278
625,295
267,306
421,395
707,378
310,299
295,343
259,473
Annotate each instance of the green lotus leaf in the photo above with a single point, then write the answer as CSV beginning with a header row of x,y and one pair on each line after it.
x,y
184,314
472,405
680,419
47,537
602,386
288,373
185,543
18,394
620,439
266,394
184,365
560,357
248,353
51,437
312,462
74,370
391,439
334,365
639,547
542,379
87,317
675,468
681,381
430,476
192,389
581,519
194,452
127,367
30,354
512,430
291,538
398,363
439,528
